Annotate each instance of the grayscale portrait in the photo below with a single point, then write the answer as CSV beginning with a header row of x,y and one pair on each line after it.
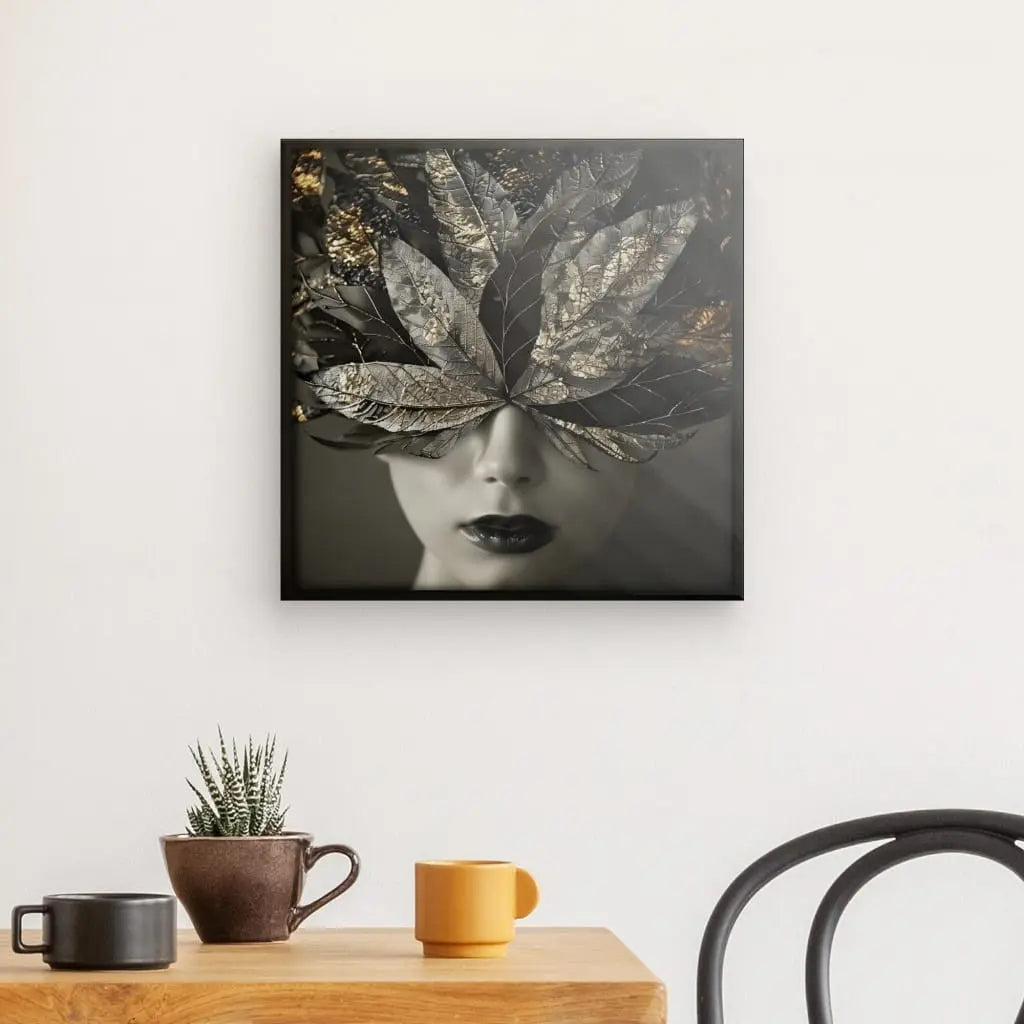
x,y
512,368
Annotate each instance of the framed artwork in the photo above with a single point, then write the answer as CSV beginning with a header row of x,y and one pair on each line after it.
x,y
512,368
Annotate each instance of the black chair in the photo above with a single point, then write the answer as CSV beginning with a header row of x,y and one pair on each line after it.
x,y
989,834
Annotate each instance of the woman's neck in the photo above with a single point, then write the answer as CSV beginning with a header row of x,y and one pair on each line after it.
x,y
433,575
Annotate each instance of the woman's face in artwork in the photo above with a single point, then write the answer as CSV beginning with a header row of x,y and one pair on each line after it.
x,y
504,508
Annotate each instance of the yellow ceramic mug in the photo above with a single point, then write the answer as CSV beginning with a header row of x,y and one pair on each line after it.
x,y
468,908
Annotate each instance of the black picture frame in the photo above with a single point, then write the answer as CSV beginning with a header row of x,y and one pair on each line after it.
x,y
292,588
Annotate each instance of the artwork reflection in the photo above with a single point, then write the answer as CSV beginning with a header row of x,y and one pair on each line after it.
x,y
512,368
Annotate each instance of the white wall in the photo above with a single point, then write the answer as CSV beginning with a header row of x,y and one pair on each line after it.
x,y
634,756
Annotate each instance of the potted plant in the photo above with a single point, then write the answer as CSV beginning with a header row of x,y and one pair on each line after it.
x,y
237,872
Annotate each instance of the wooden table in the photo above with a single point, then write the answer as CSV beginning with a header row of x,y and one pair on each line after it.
x,y
348,976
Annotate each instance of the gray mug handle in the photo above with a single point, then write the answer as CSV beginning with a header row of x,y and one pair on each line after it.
x,y
17,915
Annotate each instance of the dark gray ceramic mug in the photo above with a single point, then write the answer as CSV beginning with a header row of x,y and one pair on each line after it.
x,y
102,931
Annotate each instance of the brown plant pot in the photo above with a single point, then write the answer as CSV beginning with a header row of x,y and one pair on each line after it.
x,y
247,888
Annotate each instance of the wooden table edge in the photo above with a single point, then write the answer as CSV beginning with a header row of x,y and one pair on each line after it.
x,y
629,994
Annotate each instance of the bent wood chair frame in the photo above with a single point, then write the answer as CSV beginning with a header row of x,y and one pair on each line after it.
x,y
989,834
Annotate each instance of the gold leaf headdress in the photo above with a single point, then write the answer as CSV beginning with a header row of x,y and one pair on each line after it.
x,y
557,311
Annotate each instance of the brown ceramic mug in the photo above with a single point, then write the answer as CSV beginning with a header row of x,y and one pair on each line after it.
x,y
247,888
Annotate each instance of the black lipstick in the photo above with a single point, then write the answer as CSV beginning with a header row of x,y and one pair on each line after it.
x,y
508,535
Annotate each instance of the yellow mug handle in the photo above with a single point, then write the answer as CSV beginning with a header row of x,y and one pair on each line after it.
x,y
527,894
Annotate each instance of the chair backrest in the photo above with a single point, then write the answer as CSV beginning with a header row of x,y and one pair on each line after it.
x,y
989,834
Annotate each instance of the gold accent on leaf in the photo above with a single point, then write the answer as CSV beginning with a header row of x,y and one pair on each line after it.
x,y
348,238
702,333
474,216
308,174
375,173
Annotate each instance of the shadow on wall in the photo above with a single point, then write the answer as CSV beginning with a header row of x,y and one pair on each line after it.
x,y
678,535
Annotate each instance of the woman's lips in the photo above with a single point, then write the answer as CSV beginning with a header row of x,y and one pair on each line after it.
x,y
508,535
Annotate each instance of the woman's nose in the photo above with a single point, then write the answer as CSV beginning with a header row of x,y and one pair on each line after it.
x,y
510,453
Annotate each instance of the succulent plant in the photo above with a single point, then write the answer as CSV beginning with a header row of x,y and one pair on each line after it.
x,y
243,796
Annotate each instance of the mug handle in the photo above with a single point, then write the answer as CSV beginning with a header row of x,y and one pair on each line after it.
x,y
17,915
312,855
527,894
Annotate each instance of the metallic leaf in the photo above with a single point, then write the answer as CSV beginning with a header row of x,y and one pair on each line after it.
x,y
603,351
400,397
622,444
563,440
524,173
589,299
557,390
429,446
667,395
474,215
702,333
438,318
599,354
572,240
593,184
619,268
581,198
367,311
374,173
